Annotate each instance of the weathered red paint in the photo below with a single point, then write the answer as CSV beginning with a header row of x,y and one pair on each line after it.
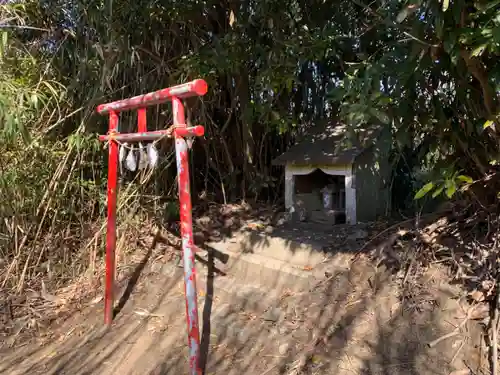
x,y
181,151
142,126
196,131
176,93
197,87
111,226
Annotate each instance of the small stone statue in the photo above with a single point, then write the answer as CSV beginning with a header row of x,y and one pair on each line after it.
x,y
327,198
302,214
299,212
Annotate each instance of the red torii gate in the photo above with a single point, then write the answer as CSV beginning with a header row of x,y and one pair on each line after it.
x,y
179,131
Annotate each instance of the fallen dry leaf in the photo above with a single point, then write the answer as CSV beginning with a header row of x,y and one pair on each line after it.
x,y
461,372
315,359
480,312
96,300
146,313
477,295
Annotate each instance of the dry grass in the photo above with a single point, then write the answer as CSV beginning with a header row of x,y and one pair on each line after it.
x,y
464,239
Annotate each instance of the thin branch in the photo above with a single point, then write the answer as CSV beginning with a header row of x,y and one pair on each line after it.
x,y
22,27
494,323
456,331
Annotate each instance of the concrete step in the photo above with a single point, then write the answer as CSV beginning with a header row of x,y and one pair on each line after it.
x,y
295,253
279,260
237,291
272,263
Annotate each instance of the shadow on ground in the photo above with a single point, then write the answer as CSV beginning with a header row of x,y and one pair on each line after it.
x,y
349,321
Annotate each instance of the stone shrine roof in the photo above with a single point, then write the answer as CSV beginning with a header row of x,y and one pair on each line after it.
x,y
333,144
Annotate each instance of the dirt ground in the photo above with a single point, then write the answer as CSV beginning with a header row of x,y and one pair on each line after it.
x,y
353,321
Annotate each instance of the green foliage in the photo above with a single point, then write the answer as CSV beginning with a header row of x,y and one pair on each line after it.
x,y
449,184
436,83
428,69
271,66
48,184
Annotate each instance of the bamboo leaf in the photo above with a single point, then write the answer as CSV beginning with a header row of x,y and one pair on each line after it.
x,y
34,100
406,12
451,188
466,179
478,51
402,15
232,19
438,191
487,124
5,39
424,190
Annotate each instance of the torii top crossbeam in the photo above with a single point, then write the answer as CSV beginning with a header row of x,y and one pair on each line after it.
x,y
197,87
